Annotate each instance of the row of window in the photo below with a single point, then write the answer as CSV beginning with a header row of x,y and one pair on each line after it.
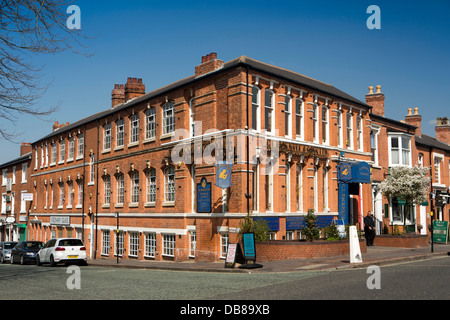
x,y
12,181
294,114
150,244
75,148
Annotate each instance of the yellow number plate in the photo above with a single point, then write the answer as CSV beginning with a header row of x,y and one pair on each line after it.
x,y
72,257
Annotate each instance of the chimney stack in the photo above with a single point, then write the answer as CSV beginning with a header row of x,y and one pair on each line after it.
x,y
443,130
25,148
414,120
376,101
134,88
58,126
209,64
117,95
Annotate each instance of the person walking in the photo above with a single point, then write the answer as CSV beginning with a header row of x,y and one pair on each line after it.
x,y
369,228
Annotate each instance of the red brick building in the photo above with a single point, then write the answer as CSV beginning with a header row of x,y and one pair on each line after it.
x,y
126,160
402,143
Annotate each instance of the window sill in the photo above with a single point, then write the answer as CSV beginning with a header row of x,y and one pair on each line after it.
x,y
133,144
118,205
168,204
133,205
167,135
149,140
150,204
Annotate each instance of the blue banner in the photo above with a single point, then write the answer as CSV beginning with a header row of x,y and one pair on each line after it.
x,y
343,202
223,174
204,196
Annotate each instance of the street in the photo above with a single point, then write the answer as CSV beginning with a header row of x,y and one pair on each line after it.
x,y
425,280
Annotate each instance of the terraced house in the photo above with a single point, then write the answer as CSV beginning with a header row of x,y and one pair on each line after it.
x,y
118,180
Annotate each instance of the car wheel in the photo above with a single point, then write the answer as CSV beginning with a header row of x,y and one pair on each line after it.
x,y
12,259
2,260
38,261
52,261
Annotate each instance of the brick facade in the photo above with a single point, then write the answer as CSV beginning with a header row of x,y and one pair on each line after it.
x,y
121,160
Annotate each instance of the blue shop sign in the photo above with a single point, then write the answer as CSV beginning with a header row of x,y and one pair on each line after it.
x,y
295,223
272,223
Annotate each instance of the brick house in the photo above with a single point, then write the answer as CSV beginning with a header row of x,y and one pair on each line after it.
x,y
15,182
122,161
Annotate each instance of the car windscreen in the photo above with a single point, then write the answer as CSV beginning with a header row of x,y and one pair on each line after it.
x,y
33,245
10,245
70,243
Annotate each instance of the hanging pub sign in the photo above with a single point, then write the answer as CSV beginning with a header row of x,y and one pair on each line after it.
x,y
204,196
223,174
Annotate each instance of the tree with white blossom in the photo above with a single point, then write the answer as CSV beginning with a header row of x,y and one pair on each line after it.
x,y
409,184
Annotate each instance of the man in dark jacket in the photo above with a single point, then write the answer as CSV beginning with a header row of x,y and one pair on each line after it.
x,y
369,229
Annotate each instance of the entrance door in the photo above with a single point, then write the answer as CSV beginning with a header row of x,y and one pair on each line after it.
x,y
423,220
22,234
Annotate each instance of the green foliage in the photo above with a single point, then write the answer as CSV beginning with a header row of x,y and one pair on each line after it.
x,y
310,230
258,227
332,233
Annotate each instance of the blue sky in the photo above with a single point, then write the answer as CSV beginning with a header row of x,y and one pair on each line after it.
x,y
163,41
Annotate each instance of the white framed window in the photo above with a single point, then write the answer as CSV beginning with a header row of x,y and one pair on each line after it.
x,y
120,188
151,185
168,117
71,194
399,149
107,137
315,191
325,188
4,195
192,243
106,242
349,141
61,195
224,238
80,193
150,123
374,144
71,150
62,151
169,244
269,188
192,117
288,116
438,160
256,111
43,163
92,169
119,244
53,160
150,244
255,186
24,173
420,160
80,145
134,128
359,133
169,184
299,104
4,177
134,177
288,187
23,203
13,181
315,119
299,187
340,134
325,126
269,113
134,243
106,190
120,133
36,157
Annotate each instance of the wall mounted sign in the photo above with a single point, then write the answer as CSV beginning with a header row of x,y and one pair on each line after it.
x,y
204,196
223,174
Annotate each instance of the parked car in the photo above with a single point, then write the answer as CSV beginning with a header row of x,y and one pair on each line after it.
x,y
67,250
5,250
25,251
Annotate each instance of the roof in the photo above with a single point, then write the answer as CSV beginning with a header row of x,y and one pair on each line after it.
x,y
297,78
24,158
392,121
428,141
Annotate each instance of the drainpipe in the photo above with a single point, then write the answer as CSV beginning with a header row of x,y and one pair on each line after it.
x,y
431,200
247,195
96,191
83,183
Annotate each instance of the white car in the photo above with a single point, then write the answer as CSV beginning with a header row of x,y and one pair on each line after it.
x,y
67,250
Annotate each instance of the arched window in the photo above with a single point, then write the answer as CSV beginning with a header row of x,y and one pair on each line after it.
x,y
151,185
169,184
134,177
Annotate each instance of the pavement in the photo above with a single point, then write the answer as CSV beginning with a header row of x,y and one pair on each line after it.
x,y
375,255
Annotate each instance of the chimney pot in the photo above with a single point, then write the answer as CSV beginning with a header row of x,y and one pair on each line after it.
x,y
409,111
416,110
203,59
213,56
371,90
376,101
209,64
378,89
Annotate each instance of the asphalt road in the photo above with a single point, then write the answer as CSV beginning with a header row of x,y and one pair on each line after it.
x,y
424,280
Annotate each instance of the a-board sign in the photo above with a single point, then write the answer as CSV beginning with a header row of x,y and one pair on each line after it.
x,y
440,231
248,241
231,255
